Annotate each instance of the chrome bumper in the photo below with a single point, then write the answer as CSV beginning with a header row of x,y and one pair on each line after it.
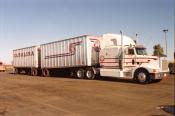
x,y
158,75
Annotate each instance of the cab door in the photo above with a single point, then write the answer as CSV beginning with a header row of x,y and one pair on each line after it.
x,y
130,57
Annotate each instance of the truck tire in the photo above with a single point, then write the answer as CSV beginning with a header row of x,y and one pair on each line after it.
x,y
90,74
34,72
142,76
45,72
80,73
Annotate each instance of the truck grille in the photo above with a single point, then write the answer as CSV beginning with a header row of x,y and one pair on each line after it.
x,y
164,65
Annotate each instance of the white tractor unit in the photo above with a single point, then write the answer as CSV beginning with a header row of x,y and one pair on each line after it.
x,y
121,57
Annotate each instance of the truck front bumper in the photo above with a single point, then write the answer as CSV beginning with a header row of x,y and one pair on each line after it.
x,y
157,75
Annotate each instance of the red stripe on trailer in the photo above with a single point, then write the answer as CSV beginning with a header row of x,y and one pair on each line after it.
x,y
72,49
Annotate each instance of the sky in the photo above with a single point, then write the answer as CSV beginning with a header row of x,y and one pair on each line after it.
x,y
25,23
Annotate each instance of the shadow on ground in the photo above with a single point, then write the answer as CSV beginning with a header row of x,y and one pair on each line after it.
x,y
167,108
111,79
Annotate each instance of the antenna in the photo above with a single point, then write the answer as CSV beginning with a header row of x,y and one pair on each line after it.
x,y
136,38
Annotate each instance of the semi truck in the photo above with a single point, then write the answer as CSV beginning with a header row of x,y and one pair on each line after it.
x,y
109,55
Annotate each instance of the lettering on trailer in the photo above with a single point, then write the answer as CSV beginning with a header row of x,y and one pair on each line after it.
x,y
72,50
23,54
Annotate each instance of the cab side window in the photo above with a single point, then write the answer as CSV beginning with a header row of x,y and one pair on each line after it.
x,y
111,42
114,41
130,51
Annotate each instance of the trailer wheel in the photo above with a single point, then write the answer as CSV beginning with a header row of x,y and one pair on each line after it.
x,y
45,72
90,74
34,72
80,73
142,76
16,71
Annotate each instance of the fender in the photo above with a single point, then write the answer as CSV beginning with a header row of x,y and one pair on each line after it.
x,y
135,68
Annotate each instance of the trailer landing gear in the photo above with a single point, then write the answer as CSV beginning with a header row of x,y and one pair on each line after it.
x,y
16,71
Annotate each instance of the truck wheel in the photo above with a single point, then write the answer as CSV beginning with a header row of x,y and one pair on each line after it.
x,y
80,73
45,73
90,74
34,72
142,76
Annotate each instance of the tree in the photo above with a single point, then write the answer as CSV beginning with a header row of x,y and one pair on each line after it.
x,y
158,50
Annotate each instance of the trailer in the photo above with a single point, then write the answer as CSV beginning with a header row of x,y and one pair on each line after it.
x,y
78,56
27,60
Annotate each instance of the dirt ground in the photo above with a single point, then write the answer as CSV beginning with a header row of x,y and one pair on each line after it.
x,y
22,95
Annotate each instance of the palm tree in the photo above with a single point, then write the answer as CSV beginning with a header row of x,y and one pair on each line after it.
x,y
158,50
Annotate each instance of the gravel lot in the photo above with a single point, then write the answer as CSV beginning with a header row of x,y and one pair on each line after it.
x,y
22,95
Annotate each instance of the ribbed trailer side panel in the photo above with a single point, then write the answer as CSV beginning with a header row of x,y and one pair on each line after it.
x,y
65,53
26,57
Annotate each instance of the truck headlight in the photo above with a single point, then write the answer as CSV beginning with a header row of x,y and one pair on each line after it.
x,y
164,74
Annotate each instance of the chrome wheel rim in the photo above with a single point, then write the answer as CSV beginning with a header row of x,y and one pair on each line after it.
x,y
79,73
89,74
142,77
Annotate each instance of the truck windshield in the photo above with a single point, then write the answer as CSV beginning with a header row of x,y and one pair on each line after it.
x,y
141,51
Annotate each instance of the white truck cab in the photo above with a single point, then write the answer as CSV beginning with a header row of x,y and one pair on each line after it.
x,y
121,57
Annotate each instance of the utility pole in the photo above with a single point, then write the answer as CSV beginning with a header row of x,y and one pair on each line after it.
x,y
165,31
